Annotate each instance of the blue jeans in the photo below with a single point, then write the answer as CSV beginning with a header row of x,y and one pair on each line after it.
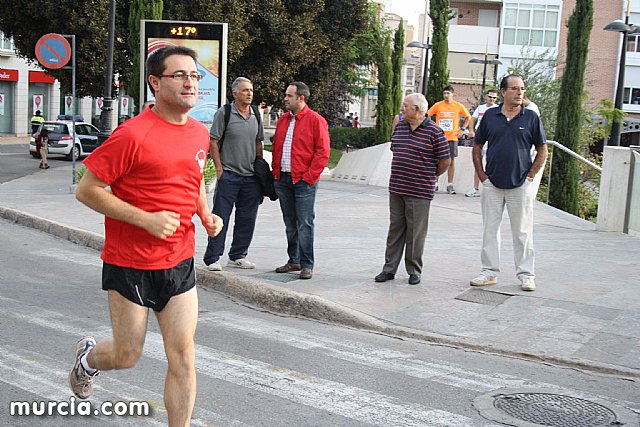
x,y
245,193
297,202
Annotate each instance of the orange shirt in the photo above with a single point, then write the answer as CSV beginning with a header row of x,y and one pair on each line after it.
x,y
448,117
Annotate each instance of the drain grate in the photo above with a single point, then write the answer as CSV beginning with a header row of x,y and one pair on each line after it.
x,y
480,296
555,410
277,277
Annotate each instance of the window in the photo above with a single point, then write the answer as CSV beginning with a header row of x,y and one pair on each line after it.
x,y
410,76
631,96
5,43
633,43
530,24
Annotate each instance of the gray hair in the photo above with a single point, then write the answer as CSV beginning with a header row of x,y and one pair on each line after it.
x,y
235,86
418,100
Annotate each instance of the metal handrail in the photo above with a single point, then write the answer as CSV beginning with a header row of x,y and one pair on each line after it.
x,y
575,155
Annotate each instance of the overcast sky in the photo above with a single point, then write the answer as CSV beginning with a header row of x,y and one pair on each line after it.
x,y
410,10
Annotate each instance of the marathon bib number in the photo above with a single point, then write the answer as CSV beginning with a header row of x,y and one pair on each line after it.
x,y
446,124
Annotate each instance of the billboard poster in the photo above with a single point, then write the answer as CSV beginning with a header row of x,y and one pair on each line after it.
x,y
68,105
38,101
209,40
124,106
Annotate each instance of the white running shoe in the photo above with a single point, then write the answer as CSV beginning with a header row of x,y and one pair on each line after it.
x,y
241,263
450,189
214,267
484,279
527,283
473,193
80,382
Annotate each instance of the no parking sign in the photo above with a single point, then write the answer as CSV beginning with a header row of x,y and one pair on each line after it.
x,y
53,51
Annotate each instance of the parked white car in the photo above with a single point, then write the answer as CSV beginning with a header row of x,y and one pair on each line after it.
x,y
61,136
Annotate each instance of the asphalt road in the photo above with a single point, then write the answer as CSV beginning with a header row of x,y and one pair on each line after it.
x,y
16,162
254,368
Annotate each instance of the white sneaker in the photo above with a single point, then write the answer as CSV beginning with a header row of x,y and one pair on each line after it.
x,y
241,263
214,267
484,279
473,193
527,283
450,189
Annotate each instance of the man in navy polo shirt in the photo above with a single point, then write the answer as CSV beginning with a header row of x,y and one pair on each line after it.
x,y
420,154
511,131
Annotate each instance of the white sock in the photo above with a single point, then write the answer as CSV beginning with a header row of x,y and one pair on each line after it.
x,y
85,365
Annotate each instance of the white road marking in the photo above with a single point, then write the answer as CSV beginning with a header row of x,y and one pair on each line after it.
x,y
347,401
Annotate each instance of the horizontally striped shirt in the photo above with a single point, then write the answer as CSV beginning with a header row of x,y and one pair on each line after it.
x,y
415,158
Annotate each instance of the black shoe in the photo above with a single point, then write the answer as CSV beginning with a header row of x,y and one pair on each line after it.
x,y
414,279
384,276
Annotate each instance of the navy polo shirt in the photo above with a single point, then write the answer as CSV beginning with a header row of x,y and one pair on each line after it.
x,y
509,145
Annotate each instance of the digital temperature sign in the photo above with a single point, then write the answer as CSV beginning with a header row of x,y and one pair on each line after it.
x,y
209,40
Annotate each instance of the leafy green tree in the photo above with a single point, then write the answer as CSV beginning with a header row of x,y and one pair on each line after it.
x,y
27,21
564,182
272,42
438,70
139,10
396,64
538,73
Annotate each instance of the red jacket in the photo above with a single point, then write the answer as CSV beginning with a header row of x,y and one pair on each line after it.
x,y
309,149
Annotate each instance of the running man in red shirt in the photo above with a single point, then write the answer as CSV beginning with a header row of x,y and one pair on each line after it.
x,y
154,164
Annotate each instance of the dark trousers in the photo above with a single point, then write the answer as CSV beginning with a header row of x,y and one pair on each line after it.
x,y
297,204
244,192
408,224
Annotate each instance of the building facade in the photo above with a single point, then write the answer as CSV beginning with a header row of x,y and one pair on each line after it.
x,y
26,88
510,30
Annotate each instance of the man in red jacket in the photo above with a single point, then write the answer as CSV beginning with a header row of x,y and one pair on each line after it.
x,y
300,154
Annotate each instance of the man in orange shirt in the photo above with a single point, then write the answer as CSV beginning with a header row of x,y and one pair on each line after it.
x,y
448,114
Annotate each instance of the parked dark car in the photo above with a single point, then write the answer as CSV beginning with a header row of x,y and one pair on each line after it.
x,y
61,136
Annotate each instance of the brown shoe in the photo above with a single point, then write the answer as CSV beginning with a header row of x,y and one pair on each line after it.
x,y
288,267
306,273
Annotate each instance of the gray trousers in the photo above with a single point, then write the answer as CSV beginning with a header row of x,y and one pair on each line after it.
x,y
408,224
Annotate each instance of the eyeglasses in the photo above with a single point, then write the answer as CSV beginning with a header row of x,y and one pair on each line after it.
x,y
180,76
492,97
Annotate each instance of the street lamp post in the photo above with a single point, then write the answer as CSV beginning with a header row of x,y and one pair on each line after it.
x,y
106,122
425,73
484,61
625,29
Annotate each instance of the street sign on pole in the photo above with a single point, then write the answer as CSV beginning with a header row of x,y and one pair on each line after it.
x,y
53,51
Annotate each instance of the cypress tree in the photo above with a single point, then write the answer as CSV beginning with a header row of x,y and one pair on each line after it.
x,y
139,10
438,71
563,187
396,61
384,108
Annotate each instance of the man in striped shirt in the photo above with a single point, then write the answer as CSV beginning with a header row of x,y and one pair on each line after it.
x,y
420,154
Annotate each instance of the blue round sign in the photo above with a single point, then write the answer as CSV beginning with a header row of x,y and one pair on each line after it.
x,y
53,51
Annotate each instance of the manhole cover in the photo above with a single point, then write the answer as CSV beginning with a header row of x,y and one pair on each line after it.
x,y
483,297
553,408
277,277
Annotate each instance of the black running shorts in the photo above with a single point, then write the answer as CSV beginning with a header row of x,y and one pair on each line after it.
x,y
150,288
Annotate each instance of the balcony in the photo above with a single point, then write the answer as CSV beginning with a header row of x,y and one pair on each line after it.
x,y
473,39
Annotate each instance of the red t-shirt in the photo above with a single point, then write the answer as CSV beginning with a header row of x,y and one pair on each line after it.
x,y
154,165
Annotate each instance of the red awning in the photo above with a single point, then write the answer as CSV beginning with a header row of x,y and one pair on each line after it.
x,y
8,75
40,77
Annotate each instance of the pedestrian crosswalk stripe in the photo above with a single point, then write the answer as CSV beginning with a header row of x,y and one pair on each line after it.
x,y
341,399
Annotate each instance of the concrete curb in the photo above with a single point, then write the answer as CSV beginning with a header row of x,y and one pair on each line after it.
x,y
285,301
